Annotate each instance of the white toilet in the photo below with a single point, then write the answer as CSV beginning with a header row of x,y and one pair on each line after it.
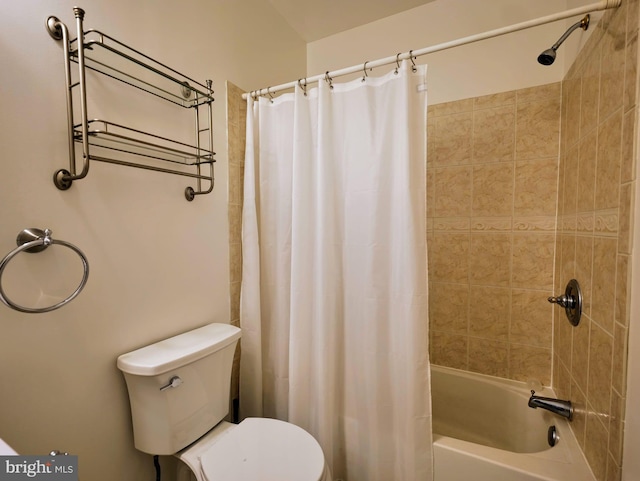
x,y
179,395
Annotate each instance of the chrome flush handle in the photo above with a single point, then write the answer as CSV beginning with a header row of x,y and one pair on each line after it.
x,y
175,381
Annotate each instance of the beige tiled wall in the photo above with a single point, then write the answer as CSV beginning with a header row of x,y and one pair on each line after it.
x,y
597,184
492,192
236,121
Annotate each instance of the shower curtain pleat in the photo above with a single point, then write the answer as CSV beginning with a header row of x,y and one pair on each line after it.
x,y
334,295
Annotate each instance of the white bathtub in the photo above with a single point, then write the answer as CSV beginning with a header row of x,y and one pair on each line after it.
x,y
483,430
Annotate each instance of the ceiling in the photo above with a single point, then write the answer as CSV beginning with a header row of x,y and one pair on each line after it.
x,y
316,19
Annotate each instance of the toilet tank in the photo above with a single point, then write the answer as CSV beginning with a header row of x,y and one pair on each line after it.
x,y
179,387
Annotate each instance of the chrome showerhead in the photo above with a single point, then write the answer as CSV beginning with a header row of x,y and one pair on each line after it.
x,y
548,56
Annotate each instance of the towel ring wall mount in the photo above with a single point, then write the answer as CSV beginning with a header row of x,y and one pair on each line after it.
x,y
32,241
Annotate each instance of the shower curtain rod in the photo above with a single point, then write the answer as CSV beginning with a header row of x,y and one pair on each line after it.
x,y
601,5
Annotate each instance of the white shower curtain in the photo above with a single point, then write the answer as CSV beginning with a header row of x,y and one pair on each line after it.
x,y
334,292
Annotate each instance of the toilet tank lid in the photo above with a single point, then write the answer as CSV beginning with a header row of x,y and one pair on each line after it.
x,y
177,351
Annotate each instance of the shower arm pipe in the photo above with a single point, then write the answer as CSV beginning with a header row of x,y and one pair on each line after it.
x,y
584,23
601,5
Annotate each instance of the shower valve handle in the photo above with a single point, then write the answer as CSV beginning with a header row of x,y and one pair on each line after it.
x,y
571,300
563,300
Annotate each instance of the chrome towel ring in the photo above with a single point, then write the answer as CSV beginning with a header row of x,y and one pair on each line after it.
x,y
32,241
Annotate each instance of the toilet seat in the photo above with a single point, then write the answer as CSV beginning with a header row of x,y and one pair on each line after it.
x,y
259,449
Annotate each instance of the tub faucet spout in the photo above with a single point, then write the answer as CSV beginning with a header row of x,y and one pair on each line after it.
x,y
556,406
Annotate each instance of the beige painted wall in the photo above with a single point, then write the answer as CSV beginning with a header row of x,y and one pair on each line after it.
x,y
487,67
159,264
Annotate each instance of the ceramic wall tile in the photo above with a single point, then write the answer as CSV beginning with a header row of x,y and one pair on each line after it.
x,y
492,189
448,349
530,314
623,284
616,427
538,223
590,93
604,281
431,193
529,362
625,220
596,436
608,162
612,66
561,379
489,312
490,259
583,270
535,191
494,134
532,261
568,258
494,100
620,343
563,341
448,108
614,472
537,129
431,138
235,302
606,223
579,421
452,191
628,161
491,224
452,144
570,191
574,104
489,357
586,173
451,224
449,258
631,61
600,362
585,224
580,352
449,307
540,93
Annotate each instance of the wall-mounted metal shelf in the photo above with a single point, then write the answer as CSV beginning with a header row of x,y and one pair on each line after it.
x,y
117,60
95,51
112,136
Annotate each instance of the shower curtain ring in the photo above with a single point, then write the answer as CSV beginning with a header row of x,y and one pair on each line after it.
x,y
413,63
364,71
270,95
397,63
328,79
303,87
